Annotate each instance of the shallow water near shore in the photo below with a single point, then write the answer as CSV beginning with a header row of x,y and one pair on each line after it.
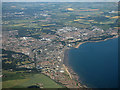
x,y
96,63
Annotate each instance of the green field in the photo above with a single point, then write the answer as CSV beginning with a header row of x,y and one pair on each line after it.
x,y
24,80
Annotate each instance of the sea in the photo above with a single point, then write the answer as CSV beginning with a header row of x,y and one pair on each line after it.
x,y
96,63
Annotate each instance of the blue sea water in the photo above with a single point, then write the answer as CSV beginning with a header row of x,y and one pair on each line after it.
x,y
96,63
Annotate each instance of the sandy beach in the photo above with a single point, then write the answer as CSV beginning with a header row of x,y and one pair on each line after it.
x,y
67,71
79,44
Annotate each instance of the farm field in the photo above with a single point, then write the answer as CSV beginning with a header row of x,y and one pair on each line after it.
x,y
23,80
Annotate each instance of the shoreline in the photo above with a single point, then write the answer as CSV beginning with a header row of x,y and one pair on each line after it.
x,y
67,71
94,41
72,74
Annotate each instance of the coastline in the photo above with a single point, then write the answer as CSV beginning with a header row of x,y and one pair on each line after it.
x,y
94,41
69,70
71,73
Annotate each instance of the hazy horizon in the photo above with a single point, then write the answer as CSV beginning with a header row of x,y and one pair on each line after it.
x,y
59,0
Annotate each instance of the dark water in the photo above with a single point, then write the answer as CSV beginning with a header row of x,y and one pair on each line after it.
x,y
96,63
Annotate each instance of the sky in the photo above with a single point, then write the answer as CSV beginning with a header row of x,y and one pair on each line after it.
x,y
59,0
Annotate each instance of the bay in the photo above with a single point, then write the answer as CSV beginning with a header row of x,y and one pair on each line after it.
x,y
96,63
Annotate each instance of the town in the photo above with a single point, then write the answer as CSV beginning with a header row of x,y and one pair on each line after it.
x,y
44,36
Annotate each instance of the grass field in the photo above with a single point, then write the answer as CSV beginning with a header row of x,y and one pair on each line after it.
x,y
24,80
